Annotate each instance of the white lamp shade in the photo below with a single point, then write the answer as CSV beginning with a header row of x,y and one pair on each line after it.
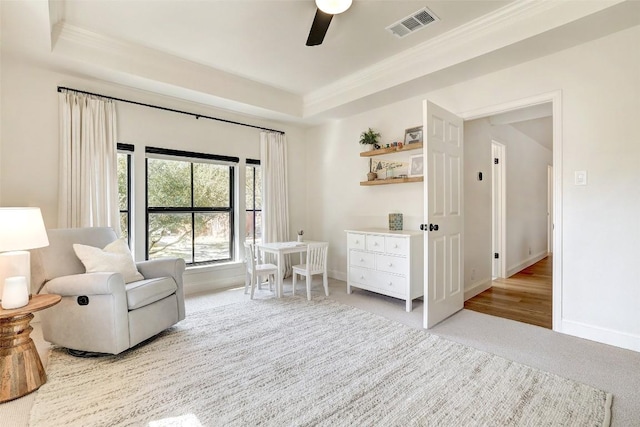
x,y
333,7
22,229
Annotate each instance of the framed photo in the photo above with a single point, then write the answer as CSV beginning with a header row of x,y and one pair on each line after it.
x,y
413,135
416,166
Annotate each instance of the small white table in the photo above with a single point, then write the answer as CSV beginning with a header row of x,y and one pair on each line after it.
x,y
279,249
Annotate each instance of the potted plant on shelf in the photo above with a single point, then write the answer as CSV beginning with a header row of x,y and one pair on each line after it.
x,y
370,138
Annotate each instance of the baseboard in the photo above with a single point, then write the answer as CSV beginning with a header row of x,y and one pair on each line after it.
x,y
338,275
477,288
603,335
526,263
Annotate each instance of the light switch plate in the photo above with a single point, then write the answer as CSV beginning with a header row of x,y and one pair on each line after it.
x,y
580,178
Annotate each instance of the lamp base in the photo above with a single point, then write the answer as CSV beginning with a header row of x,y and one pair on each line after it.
x,y
15,263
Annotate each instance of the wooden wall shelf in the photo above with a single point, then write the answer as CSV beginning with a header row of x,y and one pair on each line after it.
x,y
393,180
371,153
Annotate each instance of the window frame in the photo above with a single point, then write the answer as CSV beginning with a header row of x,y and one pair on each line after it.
x,y
192,157
127,149
255,164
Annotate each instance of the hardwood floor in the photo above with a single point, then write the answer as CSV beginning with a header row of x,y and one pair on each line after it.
x,y
525,296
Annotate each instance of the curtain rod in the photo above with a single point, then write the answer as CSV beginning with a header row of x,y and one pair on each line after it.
x,y
197,116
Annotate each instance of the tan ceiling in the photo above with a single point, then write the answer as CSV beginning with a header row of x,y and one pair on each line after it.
x,y
249,56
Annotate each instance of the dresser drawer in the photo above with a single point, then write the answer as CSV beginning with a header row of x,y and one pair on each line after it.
x,y
392,264
375,243
396,246
361,259
361,276
355,241
390,284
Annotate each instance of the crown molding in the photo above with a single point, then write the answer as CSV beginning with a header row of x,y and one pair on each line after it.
x,y
514,22
143,63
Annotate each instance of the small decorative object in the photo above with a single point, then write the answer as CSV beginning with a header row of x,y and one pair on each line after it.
x,y
413,135
300,233
416,166
15,293
371,176
395,221
369,137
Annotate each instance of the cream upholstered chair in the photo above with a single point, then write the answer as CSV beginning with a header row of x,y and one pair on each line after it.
x,y
316,263
99,312
256,269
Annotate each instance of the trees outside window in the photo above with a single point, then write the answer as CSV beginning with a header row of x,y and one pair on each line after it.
x,y
189,209
253,193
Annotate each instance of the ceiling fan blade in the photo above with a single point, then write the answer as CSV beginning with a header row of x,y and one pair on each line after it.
x,y
319,28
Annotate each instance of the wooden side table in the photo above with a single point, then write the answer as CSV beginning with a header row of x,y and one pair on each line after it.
x,y
21,370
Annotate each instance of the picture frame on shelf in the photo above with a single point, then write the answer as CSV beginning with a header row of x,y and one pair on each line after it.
x,y
413,135
416,165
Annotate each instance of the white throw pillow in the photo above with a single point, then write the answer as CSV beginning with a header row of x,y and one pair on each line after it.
x,y
115,257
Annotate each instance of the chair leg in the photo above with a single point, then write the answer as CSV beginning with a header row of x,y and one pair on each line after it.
x,y
293,288
308,280
325,282
253,284
246,283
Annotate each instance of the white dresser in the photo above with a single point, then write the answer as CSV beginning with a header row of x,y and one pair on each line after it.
x,y
386,262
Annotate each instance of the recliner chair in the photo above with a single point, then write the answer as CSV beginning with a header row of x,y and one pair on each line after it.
x,y
99,313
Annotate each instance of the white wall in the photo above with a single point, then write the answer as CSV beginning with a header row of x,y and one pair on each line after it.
x,y
600,107
336,201
29,137
526,201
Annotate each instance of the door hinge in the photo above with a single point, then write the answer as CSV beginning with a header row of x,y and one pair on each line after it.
x,y
496,161
496,255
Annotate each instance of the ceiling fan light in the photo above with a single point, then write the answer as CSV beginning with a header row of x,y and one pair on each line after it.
x,y
333,7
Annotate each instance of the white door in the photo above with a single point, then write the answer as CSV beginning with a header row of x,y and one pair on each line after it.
x,y
443,197
498,213
549,209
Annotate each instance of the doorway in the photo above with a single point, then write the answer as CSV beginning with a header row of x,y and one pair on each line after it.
x,y
521,285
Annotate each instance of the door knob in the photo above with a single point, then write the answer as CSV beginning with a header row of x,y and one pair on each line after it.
x,y
433,227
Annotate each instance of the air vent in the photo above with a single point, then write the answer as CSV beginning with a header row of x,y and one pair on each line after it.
x,y
412,23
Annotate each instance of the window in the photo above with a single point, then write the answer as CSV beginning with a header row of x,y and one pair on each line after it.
x,y
189,206
124,186
253,192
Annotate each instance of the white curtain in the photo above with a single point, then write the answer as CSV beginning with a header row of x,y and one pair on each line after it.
x,y
275,192
88,187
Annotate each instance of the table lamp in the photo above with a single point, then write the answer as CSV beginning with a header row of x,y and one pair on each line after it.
x,y
21,229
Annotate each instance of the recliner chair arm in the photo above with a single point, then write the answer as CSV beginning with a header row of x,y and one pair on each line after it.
x,y
86,284
166,267
162,267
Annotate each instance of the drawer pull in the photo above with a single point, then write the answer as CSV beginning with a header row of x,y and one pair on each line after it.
x,y
357,241
390,283
361,259
390,264
375,243
395,246
361,277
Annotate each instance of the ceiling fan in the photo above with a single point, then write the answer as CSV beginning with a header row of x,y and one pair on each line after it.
x,y
324,14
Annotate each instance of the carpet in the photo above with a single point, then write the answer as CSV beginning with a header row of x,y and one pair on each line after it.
x,y
285,362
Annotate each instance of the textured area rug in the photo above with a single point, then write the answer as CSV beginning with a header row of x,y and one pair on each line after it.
x,y
290,362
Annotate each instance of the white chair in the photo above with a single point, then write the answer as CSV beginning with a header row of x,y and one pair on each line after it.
x,y
256,270
316,263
